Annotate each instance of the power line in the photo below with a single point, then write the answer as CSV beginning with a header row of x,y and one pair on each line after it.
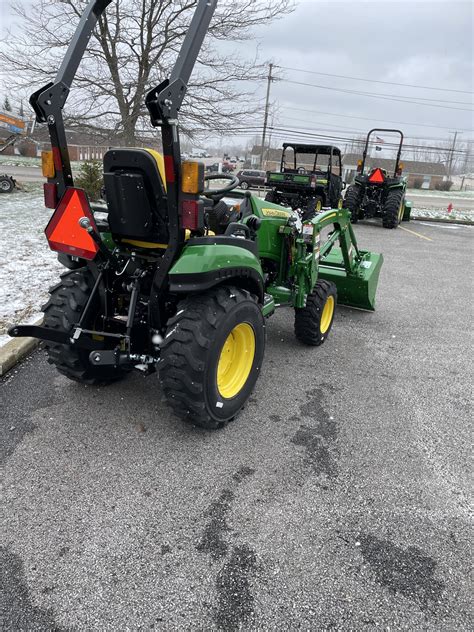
x,y
284,132
364,118
335,127
388,83
381,96
300,132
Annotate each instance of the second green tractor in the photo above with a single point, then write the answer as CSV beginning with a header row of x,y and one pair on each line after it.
x,y
376,193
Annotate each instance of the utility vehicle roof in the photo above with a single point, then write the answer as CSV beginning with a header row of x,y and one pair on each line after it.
x,y
313,149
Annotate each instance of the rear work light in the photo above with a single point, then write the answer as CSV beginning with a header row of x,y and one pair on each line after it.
x,y
47,164
192,214
63,232
376,176
359,166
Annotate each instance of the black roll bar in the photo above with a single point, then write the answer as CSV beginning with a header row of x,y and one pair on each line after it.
x,y
399,153
48,101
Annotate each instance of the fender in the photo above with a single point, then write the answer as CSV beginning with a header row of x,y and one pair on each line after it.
x,y
213,261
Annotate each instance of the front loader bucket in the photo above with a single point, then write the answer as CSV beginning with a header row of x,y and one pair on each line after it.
x,y
357,289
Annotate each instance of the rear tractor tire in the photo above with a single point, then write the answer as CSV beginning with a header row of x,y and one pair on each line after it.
x,y
62,311
352,202
393,209
313,322
212,355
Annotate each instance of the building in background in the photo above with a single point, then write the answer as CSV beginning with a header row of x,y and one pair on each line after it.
x,y
421,175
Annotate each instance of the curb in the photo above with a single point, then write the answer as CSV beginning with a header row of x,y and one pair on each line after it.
x,y
15,350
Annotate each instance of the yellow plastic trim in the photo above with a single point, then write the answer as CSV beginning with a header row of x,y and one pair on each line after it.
x,y
319,205
143,244
326,316
160,163
236,360
152,244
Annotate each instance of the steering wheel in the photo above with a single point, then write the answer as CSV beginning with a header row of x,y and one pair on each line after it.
x,y
214,194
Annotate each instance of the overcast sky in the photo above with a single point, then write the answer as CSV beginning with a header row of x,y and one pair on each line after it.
x,y
424,43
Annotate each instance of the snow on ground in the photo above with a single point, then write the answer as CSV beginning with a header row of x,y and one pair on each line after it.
x,y
19,161
27,265
27,161
448,195
439,213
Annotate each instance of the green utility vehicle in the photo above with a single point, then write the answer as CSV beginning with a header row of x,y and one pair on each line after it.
x,y
377,194
180,279
309,179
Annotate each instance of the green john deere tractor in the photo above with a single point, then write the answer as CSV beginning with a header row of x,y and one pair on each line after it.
x,y
310,178
175,277
377,194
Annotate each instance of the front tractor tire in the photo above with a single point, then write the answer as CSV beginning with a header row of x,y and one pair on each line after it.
x,y
313,322
212,355
62,311
273,197
393,208
313,207
352,202
7,184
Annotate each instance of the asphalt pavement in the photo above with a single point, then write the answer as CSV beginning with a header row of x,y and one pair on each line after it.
x,y
338,500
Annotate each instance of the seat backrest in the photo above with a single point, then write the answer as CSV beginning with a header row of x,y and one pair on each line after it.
x,y
135,190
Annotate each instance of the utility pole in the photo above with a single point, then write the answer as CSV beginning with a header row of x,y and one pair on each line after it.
x,y
265,119
450,162
270,137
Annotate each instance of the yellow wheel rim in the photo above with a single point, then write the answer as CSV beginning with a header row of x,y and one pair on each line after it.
x,y
326,317
319,206
236,360
400,211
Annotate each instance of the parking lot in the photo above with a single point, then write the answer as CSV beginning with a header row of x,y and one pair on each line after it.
x,y
337,500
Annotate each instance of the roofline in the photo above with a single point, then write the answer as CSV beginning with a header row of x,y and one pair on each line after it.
x,y
313,147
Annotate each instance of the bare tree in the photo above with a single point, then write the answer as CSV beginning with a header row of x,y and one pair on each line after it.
x,y
132,49
466,163
418,151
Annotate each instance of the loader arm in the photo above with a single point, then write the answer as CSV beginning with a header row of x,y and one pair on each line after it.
x,y
355,272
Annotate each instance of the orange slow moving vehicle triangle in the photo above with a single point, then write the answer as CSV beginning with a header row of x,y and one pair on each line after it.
x,y
377,176
63,231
